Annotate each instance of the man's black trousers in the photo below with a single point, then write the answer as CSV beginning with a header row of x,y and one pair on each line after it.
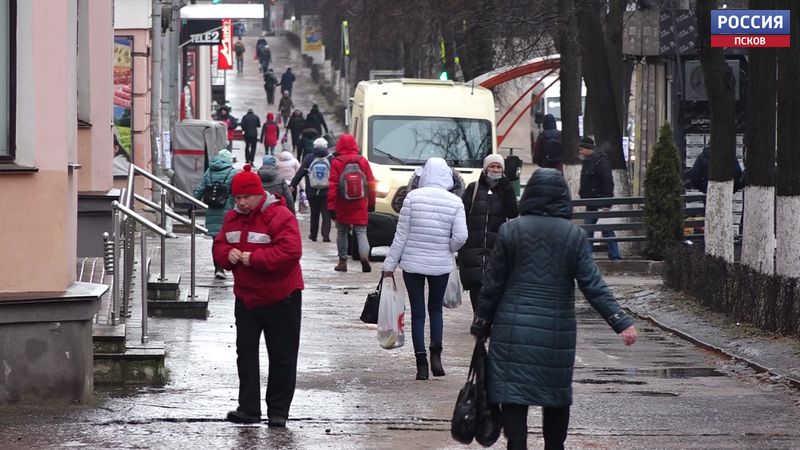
x,y
250,144
280,324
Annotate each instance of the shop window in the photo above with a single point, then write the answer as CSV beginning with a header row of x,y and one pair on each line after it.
x,y
7,78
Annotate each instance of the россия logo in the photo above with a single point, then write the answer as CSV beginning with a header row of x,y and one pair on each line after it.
x,y
749,28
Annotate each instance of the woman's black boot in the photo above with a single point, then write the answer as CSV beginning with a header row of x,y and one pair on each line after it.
x,y
422,366
436,361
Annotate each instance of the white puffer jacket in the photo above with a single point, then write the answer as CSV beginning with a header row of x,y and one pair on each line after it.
x,y
432,225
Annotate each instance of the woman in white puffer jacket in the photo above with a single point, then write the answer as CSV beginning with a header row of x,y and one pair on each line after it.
x,y
432,226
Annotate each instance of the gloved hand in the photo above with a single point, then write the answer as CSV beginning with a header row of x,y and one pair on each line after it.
x,y
332,214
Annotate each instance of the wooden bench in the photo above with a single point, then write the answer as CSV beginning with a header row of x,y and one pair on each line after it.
x,y
631,220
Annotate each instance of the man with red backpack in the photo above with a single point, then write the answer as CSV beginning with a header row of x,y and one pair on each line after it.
x,y
351,195
269,134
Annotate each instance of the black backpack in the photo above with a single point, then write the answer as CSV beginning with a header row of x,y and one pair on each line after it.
x,y
551,149
216,194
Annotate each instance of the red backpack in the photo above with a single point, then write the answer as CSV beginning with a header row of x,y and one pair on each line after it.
x,y
352,181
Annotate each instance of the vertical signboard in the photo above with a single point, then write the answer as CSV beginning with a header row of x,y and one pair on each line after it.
x,y
225,56
123,92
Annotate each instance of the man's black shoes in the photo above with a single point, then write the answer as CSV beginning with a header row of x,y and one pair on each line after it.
x,y
276,421
242,417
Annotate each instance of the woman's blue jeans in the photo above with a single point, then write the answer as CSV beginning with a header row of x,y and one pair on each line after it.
x,y
415,285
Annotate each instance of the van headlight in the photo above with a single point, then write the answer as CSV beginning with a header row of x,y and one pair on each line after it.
x,y
382,189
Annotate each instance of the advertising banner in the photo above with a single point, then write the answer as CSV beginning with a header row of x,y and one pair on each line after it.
x,y
311,34
225,57
123,92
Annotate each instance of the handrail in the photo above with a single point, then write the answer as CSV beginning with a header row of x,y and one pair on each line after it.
x,y
134,215
129,187
174,215
169,187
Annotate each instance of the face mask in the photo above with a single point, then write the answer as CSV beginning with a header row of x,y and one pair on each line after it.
x,y
494,176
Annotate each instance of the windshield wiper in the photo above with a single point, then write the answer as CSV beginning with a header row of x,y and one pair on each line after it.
x,y
389,155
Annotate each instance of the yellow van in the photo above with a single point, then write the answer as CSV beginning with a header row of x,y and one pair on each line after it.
x,y
400,123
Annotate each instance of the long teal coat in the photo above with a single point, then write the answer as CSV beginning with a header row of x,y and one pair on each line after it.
x,y
527,303
220,170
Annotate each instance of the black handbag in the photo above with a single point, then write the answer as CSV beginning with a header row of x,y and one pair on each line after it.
x,y
370,312
465,413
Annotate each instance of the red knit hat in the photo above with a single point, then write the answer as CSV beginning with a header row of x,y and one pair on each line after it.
x,y
247,182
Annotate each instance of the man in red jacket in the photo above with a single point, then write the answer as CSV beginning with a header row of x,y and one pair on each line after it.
x,y
260,243
351,195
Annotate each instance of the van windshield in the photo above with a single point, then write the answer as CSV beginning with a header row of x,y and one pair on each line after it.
x,y
413,139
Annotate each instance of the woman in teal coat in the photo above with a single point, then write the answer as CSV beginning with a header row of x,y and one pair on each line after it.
x,y
527,307
220,171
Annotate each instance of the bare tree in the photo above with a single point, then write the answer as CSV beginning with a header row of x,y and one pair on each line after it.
x,y
719,82
570,74
787,180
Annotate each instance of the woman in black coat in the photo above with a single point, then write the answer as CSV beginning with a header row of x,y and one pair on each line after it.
x,y
527,307
488,202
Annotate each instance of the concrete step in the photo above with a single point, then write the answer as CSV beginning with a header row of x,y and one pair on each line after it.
x,y
108,338
139,364
185,308
166,289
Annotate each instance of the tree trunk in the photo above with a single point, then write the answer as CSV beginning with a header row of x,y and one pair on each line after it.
x,y
597,75
758,235
570,74
719,83
787,180
616,60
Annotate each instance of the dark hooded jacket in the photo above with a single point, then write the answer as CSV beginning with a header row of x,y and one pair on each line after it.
x,y
550,131
699,172
316,120
250,125
273,183
527,303
596,178
492,207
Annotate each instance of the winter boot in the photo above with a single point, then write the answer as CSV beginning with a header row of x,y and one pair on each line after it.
x,y
365,267
422,366
436,361
342,266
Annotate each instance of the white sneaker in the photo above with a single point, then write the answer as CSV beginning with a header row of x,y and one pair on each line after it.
x,y
220,275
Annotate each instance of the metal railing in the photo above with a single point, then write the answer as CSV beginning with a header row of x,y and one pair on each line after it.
x,y
124,225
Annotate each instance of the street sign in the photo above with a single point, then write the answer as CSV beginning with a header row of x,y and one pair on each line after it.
x,y
346,38
225,57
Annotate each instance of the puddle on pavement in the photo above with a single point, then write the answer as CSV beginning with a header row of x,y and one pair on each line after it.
x,y
672,372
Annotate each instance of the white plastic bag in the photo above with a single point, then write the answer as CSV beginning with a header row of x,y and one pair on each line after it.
x,y
452,296
391,315
303,205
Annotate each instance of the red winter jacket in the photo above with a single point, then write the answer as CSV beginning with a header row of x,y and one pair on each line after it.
x,y
270,132
350,212
271,233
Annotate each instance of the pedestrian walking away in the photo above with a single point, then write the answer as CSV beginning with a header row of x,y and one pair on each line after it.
x,y
270,133
431,227
215,190
287,81
316,120
263,53
527,309
597,182
546,151
351,196
489,203
295,126
270,81
315,170
240,50
260,242
273,182
285,107
305,145
250,125
224,115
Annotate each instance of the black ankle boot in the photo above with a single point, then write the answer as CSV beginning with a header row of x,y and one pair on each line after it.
x,y
436,361
422,366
